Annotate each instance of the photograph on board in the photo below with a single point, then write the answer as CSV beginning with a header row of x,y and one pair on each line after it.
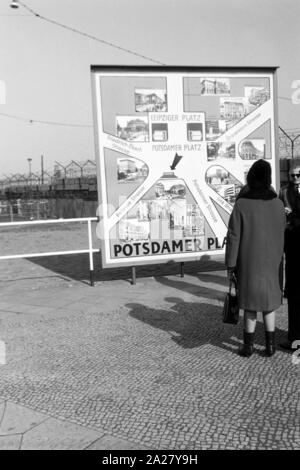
x,y
233,108
194,131
256,96
214,86
130,169
159,132
214,128
220,150
223,182
150,100
252,149
134,128
131,229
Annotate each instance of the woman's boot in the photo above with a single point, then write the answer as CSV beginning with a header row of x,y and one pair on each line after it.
x,y
247,349
270,343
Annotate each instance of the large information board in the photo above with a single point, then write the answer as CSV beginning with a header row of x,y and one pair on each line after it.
x,y
173,148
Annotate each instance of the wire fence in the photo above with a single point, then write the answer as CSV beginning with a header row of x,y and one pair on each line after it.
x,y
24,210
289,143
42,209
78,173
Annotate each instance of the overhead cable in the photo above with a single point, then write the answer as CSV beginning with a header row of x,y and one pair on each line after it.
x,y
90,36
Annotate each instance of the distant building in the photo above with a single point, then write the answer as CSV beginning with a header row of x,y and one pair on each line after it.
x,y
214,87
233,110
75,169
207,87
130,231
137,125
212,126
248,151
151,98
89,168
126,166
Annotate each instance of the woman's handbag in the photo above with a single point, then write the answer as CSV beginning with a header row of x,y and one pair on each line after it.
x,y
231,309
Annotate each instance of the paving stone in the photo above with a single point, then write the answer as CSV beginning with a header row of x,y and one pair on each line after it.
x,y
108,442
54,434
16,419
10,442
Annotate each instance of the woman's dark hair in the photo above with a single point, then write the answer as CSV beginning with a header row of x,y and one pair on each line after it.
x,y
259,175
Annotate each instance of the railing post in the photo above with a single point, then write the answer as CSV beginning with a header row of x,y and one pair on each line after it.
x,y
181,269
11,212
133,272
90,249
91,252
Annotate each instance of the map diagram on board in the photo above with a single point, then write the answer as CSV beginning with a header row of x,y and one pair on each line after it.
x,y
174,152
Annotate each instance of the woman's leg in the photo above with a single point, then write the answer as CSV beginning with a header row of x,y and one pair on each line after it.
x,y
249,328
269,323
250,320
269,320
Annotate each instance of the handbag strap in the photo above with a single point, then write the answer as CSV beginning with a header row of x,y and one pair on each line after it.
x,y
233,281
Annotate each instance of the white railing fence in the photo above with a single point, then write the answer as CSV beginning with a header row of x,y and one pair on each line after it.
x,y
90,249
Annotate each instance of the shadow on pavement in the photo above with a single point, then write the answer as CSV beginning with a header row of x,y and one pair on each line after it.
x,y
193,289
193,324
216,279
30,278
77,268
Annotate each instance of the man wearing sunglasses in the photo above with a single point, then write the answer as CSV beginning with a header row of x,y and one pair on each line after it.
x,y
290,195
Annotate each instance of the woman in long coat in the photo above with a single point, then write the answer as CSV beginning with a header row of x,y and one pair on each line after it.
x,y
254,252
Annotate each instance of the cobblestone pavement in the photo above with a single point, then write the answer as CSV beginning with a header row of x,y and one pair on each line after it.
x,y
145,366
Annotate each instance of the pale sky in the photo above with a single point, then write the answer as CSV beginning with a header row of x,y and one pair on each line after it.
x,y
46,68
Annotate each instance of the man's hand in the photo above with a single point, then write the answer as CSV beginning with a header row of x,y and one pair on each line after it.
x,y
288,210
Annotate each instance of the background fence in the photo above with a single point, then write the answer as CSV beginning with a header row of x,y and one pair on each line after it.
x,y
71,191
19,210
